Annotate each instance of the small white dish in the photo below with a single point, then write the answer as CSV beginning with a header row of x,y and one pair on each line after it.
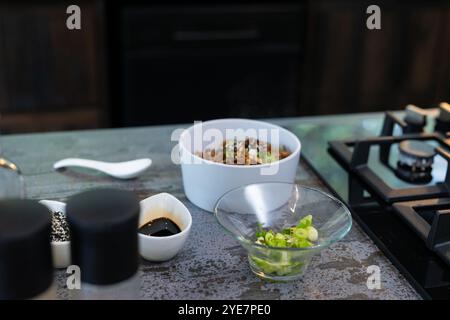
x,y
167,206
60,249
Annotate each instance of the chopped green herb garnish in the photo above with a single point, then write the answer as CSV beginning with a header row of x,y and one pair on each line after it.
x,y
282,263
300,236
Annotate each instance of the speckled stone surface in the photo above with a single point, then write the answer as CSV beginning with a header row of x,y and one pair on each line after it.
x,y
212,265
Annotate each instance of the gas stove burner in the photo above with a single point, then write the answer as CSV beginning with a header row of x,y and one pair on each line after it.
x,y
416,153
415,161
409,222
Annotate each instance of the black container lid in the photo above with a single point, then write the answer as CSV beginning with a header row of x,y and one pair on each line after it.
x,y
103,228
26,268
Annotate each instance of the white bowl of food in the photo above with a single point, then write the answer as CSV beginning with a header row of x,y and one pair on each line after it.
x,y
60,243
174,220
263,152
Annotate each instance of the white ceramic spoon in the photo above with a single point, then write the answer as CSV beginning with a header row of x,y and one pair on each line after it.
x,y
120,170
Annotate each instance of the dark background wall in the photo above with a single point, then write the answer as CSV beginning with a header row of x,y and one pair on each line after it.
x,y
144,62
50,78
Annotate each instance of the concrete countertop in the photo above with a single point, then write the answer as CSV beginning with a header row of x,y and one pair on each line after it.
x,y
212,265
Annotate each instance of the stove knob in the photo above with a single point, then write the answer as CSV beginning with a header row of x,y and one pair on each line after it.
x,y
444,112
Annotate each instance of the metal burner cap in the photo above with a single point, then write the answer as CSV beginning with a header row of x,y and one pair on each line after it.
x,y
417,149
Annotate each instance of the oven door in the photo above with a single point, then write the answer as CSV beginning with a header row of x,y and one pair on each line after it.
x,y
181,65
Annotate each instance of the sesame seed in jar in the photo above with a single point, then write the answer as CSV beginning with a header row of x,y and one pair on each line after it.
x,y
60,228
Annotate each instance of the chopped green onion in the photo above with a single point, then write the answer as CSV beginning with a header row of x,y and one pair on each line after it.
x,y
283,263
301,236
305,222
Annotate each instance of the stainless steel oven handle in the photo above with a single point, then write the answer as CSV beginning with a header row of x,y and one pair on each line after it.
x,y
214,35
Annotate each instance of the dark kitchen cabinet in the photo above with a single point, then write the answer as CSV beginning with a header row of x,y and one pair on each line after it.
x,y
185,63
142,63
180,64
349,68
50,77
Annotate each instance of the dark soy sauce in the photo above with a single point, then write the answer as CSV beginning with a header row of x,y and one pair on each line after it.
x,y
161,227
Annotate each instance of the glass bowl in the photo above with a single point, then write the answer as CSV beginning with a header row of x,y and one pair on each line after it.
x,y
277,206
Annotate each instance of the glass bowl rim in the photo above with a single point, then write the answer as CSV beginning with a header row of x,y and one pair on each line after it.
x,y
245,241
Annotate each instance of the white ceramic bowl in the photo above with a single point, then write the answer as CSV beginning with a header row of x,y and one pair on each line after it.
x,y
158,206
60,250
206,181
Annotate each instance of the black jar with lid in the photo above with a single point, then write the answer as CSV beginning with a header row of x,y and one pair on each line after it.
x,y
26,269
104,245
